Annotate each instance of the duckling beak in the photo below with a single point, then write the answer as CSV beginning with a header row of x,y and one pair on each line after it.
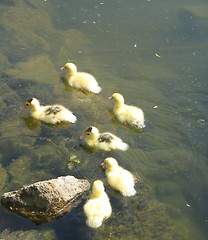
x,y
22,107
102,164
62,68
110,98
82,136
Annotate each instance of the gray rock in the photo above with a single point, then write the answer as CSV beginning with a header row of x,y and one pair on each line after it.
x,y
45,200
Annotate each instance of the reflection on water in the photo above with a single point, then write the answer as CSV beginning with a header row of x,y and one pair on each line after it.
x,y
154,53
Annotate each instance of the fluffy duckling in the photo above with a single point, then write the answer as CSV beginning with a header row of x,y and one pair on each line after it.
x,y
126,113
98,207
54,114
80,80
119,178
103,141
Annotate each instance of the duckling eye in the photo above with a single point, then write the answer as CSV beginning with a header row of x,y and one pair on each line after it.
x,y
27,104
88,133
65,67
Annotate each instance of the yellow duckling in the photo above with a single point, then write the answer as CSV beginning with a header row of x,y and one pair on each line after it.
x,y
103,141
54,114
80,80
126,113
98,207
119,178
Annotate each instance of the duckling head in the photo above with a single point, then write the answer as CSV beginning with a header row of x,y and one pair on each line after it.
x,y
90,133
70,68
98,188
31,103
110,163
117,99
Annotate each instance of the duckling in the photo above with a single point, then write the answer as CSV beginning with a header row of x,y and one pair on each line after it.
x,y
98,207
102,141
126,113
80,80
119,178
54,114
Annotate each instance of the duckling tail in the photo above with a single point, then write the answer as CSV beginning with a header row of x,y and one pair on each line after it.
x,y
94,222
139,124
73,118
129,192
96,89
124,146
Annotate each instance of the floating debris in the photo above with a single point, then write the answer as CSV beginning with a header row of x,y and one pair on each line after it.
x,y
202,121
157,55
73,159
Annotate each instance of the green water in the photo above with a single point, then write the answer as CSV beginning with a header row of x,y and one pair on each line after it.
x,y
155,54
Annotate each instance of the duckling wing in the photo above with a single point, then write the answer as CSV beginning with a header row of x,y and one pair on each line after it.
x,y
127,183
53,110
66,115
47,114
131,114
118,178
85,81
105,141
122,180
53,114
89,82
137,117
105,137
108,141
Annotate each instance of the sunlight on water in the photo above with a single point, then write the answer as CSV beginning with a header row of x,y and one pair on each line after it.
x,y
155,54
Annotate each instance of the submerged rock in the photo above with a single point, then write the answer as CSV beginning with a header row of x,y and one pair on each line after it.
x,y
23,36
22,235
23,171
139,217
46,200
3,177
35,69
4,63
27,235
199,10
47,49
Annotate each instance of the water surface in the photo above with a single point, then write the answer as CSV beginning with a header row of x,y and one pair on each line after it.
x,y
152,52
